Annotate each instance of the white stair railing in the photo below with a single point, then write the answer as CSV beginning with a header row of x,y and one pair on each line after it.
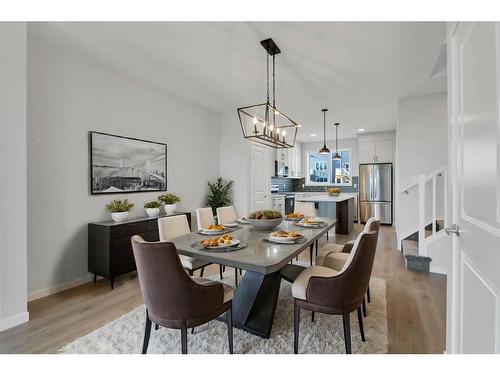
x,y
419,186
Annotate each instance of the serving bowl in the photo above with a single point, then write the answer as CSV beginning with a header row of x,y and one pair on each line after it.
x,y
265,224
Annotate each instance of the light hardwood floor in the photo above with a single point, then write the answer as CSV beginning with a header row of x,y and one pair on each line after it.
x,y
415,307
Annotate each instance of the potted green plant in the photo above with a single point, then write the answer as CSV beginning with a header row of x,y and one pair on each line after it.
x,y
152,208
169,200
119,209
219,194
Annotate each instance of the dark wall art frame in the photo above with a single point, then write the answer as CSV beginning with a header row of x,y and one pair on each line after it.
x,y
126,184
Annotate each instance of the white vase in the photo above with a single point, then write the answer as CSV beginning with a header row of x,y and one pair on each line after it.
x,y
152,212
119,216
170,208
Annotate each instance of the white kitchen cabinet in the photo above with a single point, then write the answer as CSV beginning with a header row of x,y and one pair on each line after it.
x,y
291,157
379,151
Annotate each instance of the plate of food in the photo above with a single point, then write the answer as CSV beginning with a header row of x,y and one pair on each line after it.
x,y
213,229
283,236
294,216
311,223
219,242
230,225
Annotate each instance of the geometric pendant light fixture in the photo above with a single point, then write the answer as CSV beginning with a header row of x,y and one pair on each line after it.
x,y
324,149
337,155
264,123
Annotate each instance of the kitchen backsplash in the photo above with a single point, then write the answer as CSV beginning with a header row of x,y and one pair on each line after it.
x,y
284,184
295,184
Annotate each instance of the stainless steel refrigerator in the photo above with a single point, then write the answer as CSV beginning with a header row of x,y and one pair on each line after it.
x,y
375,192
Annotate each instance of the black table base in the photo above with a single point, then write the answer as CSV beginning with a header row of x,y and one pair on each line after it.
x,y
254,303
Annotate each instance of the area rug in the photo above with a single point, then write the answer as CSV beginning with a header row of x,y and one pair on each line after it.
x,y
325,336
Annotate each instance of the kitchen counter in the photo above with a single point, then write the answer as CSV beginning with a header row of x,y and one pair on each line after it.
x,y
340,208
323,197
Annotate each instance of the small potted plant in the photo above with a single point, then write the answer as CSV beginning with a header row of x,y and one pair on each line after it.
x,y
119,209
152,208
169,201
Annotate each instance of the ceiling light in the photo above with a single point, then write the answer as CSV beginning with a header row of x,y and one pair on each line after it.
x,y
274,121
337,155
313,135
361,130
324,149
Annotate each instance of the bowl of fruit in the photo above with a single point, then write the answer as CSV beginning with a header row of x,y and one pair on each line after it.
x,y
265,219
333,191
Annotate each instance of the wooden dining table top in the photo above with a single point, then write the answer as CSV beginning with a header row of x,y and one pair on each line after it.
x,y
259,255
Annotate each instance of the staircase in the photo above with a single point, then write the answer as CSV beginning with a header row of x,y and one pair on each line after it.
x,y
409,247
430,229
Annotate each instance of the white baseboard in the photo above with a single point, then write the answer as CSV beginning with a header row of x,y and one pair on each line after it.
x,y
14,321
58,288
439,270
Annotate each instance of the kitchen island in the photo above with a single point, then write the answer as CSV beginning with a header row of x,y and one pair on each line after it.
x,y
341,207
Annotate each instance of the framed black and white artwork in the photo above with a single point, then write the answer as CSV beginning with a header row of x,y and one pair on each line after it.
x,y
126,165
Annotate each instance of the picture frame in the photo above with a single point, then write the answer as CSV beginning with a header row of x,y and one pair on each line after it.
x,y
121,165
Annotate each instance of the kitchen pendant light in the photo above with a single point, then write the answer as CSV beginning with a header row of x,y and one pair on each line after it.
x,y
264,123
324,149
337,155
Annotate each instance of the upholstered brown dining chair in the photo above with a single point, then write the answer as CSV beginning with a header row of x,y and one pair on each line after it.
x,y
174,299
324,290
334,256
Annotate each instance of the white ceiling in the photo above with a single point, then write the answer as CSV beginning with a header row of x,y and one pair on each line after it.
x,y
358,70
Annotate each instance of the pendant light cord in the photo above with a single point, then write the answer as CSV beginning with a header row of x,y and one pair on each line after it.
x,y
267,76
324,129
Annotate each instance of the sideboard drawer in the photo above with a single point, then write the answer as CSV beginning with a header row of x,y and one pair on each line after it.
x,y
153,225
125,243
153,236
128,230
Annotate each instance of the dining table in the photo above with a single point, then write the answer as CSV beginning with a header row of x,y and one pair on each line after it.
x,y
256,297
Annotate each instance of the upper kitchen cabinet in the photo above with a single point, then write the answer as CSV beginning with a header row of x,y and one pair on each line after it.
x,y
289,161
376,148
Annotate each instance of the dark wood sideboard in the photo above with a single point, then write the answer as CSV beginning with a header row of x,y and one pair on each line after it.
x,y
110,249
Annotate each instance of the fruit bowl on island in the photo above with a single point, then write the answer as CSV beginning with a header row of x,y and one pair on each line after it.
x,y
266,219
333,191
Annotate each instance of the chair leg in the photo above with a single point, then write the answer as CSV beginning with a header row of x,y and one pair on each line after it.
x,y
327,236
316,247
184,339
95,278
192,330
361,328
190,272
156,326
368,294
311,249
202,271
364,307
147,333
220,271
312,316
347,332
236,277
296,324
241,272
229,318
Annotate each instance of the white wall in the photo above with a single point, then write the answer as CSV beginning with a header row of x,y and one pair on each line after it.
x,y
421,148
68,96
13,308
235,160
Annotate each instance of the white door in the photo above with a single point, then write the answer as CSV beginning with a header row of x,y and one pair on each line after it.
x,y
384,151
260,177
474,278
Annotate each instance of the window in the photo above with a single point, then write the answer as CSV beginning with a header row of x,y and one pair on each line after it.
x,y
323,170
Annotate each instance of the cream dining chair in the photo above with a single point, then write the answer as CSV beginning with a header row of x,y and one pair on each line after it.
x,y
308,210
174,226
204,218
227,215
